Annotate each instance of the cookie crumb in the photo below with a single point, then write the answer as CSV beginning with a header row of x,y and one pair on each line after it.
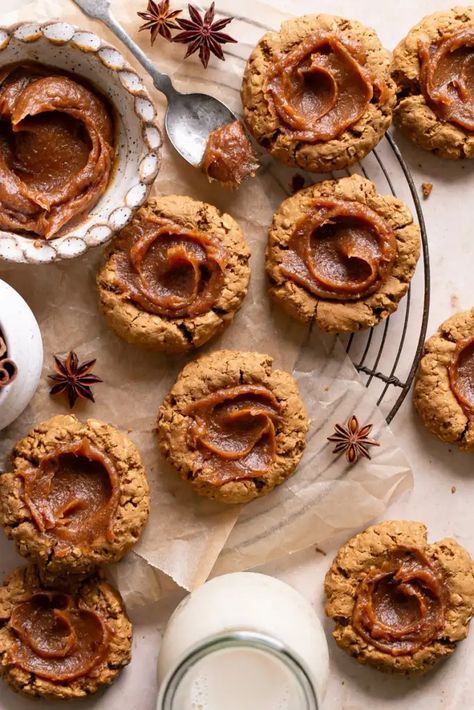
x,y
297,183
454,300
426,189
321,552
453,489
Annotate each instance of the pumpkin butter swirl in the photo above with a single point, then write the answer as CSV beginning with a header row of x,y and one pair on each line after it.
x,y
233,431
340,250
170,270
461,374
447,76
56,148
57,637
400,605
322,87
73,494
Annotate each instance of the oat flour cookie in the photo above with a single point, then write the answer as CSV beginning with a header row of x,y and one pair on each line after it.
x,y
77,496
400,604
318,94
233,426
312,243
444,386
435,85
61,643
175,276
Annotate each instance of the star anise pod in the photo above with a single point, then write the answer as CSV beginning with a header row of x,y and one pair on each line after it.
x,y
159,19
353,440
203,34
73,378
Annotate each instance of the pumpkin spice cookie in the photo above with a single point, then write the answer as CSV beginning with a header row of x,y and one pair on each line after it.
x,y
444,386
77,496
435,84
318,94
62,643
233,426
399,603
175,276
341,254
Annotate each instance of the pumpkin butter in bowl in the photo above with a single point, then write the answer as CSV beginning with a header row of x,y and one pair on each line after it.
x,y
79,146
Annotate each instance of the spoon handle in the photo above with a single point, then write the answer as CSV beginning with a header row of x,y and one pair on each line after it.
x,y
161,81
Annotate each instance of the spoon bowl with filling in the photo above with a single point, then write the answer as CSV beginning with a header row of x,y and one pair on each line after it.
x,y
79,143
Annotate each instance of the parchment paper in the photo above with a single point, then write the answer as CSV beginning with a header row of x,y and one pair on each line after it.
x,y
187,537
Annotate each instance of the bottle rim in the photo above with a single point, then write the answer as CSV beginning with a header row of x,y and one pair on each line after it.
x,y
236,639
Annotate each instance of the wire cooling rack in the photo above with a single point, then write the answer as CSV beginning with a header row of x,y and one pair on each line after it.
x,y
387,356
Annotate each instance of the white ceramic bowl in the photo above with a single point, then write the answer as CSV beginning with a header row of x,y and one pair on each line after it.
x,y
25,347
139,140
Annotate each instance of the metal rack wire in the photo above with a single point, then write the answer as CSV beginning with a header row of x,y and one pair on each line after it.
x,y
387,356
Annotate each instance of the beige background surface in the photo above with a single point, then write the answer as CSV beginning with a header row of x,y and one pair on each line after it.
x,y
437,469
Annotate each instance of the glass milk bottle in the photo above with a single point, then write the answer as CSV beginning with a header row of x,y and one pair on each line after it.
x,y
243,641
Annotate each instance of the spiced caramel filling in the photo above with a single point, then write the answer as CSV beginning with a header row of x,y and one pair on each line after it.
x,y
447,77
57,637
233,431
170,270
322,87
229,156
73,494
400,605
56,148
461,374
340,250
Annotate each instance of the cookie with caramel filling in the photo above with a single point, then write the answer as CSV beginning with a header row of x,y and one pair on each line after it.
x,y
399,603
432,68
233,426
175,276
60,643
444,385
341,255
318,93
77,496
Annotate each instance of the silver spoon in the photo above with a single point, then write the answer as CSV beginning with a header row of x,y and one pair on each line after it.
x,y
190,118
